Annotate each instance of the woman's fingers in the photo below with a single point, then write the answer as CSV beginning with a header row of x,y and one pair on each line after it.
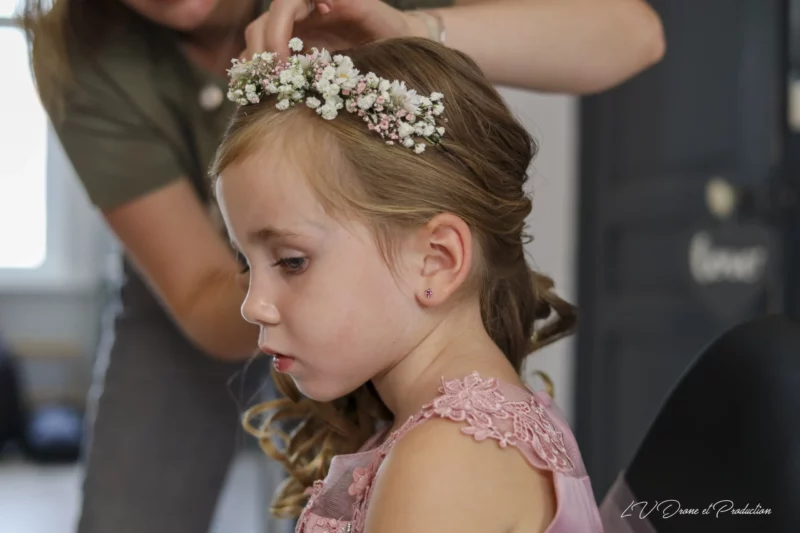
x,y
324,6
279,23
311,20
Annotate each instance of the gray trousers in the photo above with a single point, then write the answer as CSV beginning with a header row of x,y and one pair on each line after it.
x,y
164,426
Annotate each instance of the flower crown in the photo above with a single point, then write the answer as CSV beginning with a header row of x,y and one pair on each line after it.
x,y
327,84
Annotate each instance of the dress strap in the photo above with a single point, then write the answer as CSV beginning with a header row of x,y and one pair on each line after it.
x,y
525,423
521,420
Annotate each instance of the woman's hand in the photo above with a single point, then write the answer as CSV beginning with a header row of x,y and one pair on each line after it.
x,y
333,24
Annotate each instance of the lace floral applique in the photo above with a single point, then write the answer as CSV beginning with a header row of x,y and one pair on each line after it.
x,y
323,525
330,525
314,492
479,402
362,477
363,495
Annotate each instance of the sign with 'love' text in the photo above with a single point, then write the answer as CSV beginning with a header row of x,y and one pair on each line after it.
x,y
732,266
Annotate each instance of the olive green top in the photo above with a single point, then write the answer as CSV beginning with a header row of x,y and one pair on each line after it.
x,y
140,116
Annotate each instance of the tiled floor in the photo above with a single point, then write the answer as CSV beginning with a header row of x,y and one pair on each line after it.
x,y
37,499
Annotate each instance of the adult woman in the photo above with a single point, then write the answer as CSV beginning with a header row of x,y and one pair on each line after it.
x,y
136,93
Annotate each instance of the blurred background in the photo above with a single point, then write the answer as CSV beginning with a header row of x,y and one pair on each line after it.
x,y
665,208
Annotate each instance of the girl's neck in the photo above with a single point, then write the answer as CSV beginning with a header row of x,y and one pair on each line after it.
x,y
453,349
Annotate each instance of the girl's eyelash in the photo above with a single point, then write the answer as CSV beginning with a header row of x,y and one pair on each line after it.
x,y
243,266
289,264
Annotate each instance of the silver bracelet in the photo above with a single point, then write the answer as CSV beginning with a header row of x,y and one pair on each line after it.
x,y
434,24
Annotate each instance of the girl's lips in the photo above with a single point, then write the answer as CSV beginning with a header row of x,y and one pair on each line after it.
x,y
282,363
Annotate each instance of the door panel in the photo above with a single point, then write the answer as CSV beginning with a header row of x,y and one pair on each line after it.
x,y
712,108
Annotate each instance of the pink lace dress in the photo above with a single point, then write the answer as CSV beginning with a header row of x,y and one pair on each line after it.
x,y
487,409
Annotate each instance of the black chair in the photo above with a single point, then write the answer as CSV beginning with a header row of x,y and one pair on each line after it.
x,y
726,442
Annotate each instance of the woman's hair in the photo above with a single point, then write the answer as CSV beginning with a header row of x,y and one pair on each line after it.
x,y
478,173
60,29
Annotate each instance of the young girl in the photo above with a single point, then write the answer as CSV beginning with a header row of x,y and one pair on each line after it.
x,y
382,224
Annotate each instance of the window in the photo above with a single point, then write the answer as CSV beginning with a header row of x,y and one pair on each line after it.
x,y
23,154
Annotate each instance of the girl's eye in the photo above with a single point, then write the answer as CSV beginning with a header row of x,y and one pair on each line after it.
x,y
292,265
244,268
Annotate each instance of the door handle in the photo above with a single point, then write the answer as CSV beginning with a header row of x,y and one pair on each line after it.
x,y
722,198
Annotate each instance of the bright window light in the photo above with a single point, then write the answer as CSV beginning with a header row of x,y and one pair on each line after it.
x,y
8,8
23,156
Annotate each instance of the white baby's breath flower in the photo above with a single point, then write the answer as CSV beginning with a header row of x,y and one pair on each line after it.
x,y
332,90
304,62
322,86
438,109
286,76
346,76
250,88
411,102
297,96
328,73
424,101
436,96
372,80
366,101
285,92
312,102
327,111
271,88
350,105
428,131
440,131
295,44
398,88
408,142
334,100
267,56
405,130
408,99
384,85
253,98
419,148
237,71
282,105
299,80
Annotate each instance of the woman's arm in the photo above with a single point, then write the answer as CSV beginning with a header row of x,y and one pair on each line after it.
x,y
568,46
572,46
125,144
189,266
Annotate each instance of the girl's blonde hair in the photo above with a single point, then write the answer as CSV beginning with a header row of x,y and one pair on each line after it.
x,y
478,173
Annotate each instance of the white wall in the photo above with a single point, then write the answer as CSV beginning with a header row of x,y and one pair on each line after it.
x,y
553,122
